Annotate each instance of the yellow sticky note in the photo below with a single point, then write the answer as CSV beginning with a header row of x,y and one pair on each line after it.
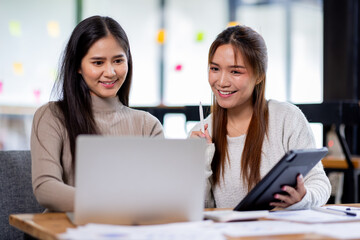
x,y
161,36
15,28
18,68
53,29
231,24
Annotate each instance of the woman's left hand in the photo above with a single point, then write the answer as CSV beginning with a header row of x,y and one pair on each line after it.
x,y
295,194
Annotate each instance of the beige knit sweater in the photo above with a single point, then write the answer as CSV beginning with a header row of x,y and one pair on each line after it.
x,y
52,171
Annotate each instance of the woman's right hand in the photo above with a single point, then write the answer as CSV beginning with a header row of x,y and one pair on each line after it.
x,y
200,134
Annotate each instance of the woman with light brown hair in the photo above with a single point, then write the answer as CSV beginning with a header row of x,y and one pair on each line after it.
x,y
247,134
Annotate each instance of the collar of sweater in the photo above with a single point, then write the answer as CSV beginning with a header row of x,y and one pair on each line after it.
x,y
105,104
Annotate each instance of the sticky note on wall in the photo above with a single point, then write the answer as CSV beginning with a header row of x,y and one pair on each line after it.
x,y
161,36
15,28
18,68
53,29
200,36
231,24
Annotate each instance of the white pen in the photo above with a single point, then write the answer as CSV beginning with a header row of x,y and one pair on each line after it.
x,y
334,211
201,118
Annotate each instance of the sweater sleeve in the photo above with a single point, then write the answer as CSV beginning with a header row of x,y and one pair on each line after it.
x,y
210,150
47,171
298,135
152,126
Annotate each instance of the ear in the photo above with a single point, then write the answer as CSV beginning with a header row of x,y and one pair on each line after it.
x,y
79,71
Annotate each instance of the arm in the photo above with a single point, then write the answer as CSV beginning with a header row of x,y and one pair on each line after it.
x,y
152,126
315,188
210,150
47,139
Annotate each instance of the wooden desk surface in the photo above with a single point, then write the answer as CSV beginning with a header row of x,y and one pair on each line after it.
x,y
336,162
47,225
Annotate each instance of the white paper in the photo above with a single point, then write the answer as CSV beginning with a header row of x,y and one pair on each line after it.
x,y
339,230
311,216
175,231
263,228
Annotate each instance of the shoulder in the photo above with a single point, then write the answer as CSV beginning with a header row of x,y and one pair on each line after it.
x,y
284,110
283,107
140,114
150,124
48,118
47,112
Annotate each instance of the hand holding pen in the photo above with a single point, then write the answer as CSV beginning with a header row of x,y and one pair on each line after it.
x,y
203,132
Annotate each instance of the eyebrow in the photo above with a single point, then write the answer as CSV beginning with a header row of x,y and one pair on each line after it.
x,y
101,58
231,66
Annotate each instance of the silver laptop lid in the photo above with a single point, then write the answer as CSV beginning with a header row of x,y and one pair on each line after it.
x,y
133,180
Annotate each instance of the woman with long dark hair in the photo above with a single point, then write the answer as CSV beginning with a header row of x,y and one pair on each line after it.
x,y
247,134
94,85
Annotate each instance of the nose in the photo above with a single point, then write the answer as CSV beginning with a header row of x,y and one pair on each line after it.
x,y
223,80
109,71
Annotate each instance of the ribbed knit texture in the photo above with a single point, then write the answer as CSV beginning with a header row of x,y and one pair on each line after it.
x,y
52,171
288,129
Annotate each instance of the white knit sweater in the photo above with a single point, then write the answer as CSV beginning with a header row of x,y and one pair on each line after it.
x,y
288,129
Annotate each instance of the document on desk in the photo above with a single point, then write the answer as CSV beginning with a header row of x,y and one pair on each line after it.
x,y
263,228
175,231
348,230
328,215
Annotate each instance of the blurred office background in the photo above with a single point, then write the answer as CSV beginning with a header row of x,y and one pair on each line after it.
x,y
169,42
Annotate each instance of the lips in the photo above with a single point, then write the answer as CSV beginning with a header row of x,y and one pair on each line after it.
x,y
226,93
108,84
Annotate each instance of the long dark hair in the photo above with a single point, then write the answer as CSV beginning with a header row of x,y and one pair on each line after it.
x,y
252,47
75,101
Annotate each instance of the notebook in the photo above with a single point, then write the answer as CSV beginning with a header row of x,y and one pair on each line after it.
x,y
136,181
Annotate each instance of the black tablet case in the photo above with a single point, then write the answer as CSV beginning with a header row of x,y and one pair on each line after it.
x,y
283,173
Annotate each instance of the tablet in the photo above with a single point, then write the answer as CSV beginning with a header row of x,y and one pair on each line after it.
x,y
283,173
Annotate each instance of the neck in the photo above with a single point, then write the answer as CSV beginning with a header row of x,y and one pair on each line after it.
x,y
239,119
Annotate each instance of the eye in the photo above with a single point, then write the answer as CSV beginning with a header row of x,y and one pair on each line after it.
x,y
214,69
98,63
236,72
119,60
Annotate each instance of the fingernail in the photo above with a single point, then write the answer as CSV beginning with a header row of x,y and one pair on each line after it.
x,y
284,188
301,176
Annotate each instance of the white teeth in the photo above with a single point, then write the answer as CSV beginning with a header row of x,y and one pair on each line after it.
x,y
108,83
225,93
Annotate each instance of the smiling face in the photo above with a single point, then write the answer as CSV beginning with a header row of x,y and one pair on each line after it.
x,y
231,81
104,67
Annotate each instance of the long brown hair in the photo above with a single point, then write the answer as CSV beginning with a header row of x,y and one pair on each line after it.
x,y
253,49
74,105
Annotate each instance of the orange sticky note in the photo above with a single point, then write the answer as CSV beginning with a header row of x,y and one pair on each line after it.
x,y
53,29
161,36
231,24
18,68
15,28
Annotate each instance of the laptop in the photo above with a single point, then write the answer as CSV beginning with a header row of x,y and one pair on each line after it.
x,y
138,181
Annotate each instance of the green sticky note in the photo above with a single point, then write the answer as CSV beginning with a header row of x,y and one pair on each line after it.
x,y
200,36
15,28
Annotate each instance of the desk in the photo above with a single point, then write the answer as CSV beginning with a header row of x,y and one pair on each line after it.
x,y
47,225
339,163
